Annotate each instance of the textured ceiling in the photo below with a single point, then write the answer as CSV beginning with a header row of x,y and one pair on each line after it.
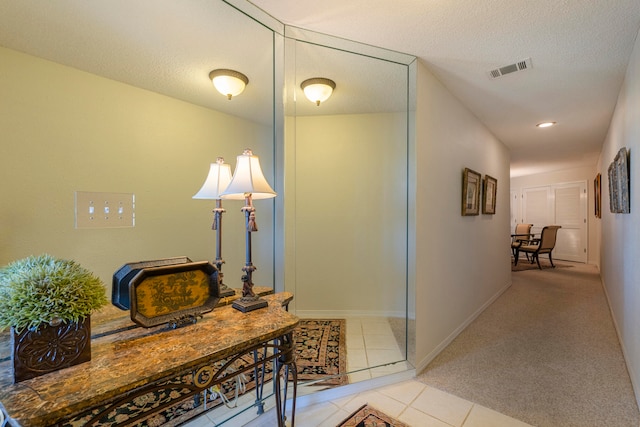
x,y
579,52
165,46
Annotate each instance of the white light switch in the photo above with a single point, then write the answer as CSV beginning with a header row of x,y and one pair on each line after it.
x,y
103,210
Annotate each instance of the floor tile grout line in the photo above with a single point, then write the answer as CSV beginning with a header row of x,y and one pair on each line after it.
x,y
410,404
468,413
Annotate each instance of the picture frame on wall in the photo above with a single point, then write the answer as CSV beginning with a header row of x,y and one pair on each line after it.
x,y
613,188
597,196
470,192
618,174
490,186
622,166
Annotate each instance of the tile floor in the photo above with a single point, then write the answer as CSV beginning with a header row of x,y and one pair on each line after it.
x,y
389,388
409,401
371,342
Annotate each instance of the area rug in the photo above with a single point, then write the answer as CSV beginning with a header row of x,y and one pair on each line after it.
x,y
368,416
321,351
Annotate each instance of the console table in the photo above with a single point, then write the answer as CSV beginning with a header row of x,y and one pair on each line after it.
x,y
137,373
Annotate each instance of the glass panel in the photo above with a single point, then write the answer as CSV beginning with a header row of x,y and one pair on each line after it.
x,y
347,169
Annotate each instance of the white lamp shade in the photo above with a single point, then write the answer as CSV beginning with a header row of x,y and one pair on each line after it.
x,y
318,89
230,83
217,181
248,178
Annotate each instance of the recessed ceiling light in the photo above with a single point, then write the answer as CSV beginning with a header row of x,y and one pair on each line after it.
x,y
545,124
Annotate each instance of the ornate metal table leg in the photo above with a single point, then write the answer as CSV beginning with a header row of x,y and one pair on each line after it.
x,y
258,373
286,360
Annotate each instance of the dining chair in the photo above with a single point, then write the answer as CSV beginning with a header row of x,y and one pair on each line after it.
x,y
543,245
521,235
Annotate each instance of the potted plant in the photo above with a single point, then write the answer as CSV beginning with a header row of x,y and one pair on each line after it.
x,y
47,303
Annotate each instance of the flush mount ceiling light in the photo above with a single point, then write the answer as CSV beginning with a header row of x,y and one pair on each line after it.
x,y
545,124
230,83
318,89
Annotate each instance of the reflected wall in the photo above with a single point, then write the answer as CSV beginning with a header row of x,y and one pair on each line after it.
x,y
347,207
78,131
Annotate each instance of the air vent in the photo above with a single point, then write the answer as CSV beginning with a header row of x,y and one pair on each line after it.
x,y
523,65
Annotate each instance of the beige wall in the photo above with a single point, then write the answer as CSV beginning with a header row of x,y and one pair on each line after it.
x,y
620,234
461,262
583,174
350,221
63,130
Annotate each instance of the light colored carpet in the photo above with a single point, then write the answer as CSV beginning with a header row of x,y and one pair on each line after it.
x,y
524,264
546,352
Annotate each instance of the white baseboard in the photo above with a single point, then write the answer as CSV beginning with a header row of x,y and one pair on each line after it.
x,y
422,364
344,314
632,374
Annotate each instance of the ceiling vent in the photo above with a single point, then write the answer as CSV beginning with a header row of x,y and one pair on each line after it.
x,y
523,65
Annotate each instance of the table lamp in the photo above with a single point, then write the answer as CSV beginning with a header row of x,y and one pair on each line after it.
x,y
217,180
248,183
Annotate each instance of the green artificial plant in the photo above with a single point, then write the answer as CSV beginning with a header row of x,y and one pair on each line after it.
x,y
43,289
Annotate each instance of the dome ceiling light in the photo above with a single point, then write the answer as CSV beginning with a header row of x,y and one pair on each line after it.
x,y
318,89
545,124
230,83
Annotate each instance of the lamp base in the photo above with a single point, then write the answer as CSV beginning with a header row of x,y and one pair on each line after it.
x,y
246,304
226,292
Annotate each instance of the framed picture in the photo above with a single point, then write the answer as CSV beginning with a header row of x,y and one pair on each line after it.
x,y
622,166
613,190
470,192
618,174
597,197
490,186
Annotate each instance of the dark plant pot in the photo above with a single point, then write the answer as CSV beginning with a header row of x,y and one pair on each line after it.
x,y
49,348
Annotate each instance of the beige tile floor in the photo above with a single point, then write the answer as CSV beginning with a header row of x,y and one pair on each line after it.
x,y
409,401
389,388
371,342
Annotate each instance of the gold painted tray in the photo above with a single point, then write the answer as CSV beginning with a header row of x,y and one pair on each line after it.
x,y
174,294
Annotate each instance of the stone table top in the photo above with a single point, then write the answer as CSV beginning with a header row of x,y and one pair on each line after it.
x,y
125,356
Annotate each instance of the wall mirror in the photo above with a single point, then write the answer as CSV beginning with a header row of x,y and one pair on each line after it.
x,y
347,166
337,234
81,111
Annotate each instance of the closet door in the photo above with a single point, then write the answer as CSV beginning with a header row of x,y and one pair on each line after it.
x,y
571,214
537,207
564,205
516,210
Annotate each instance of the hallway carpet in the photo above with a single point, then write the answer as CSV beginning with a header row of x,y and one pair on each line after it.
x,y
545,352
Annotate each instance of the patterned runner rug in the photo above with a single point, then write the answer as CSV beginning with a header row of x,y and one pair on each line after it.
x,y
368,416
321,351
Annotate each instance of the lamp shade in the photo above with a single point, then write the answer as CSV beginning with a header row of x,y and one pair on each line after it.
x,y
318,89
248,178
230,83
217,181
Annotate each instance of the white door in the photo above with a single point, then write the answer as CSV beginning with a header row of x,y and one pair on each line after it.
x,y
516,215
537,207
564,205
571,214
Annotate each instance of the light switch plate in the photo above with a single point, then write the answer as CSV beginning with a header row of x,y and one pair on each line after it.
x,y
104,210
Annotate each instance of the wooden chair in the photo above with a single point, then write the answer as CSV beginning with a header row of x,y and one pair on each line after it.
x,y
543,245
521,235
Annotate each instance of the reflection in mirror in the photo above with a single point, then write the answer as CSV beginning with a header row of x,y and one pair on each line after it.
x,y
115,97
349,157
111,116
